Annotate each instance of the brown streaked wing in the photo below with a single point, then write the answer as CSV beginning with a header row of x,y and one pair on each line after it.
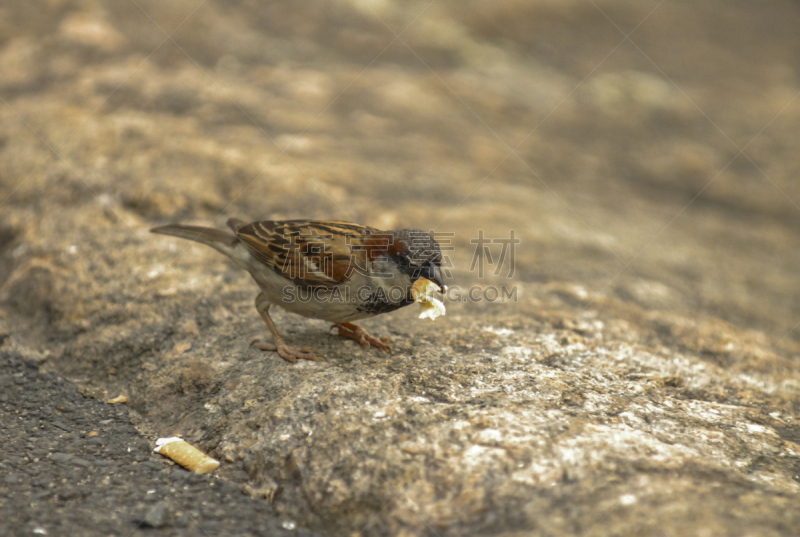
x,y
310,253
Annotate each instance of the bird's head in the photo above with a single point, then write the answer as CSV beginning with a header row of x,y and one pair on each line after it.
x,y
418,255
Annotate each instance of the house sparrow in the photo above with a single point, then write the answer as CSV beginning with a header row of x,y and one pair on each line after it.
x,y
336,271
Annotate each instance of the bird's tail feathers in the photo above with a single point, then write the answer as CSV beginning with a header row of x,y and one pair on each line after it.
x,y
222,241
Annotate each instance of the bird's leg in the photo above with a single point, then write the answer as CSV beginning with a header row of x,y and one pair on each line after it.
x,y
290,354
354,331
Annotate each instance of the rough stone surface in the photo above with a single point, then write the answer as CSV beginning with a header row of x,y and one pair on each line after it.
x,y
644,380
76,466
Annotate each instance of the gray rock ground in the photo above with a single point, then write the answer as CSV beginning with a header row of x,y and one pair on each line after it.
x,y
644,379
76,466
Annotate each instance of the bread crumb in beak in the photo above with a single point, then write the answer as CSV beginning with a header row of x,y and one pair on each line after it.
x,y
424,291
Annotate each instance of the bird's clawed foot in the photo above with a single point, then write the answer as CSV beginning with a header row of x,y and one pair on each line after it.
x,y
354,331
290,354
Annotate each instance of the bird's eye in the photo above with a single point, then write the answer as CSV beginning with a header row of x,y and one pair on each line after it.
x,y
404,258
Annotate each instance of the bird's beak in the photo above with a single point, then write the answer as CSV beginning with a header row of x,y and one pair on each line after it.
x,y
434,274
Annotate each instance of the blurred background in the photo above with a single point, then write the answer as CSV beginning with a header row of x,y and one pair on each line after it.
x,y
646,149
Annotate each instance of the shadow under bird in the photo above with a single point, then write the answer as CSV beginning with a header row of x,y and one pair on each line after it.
x,y
343,271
